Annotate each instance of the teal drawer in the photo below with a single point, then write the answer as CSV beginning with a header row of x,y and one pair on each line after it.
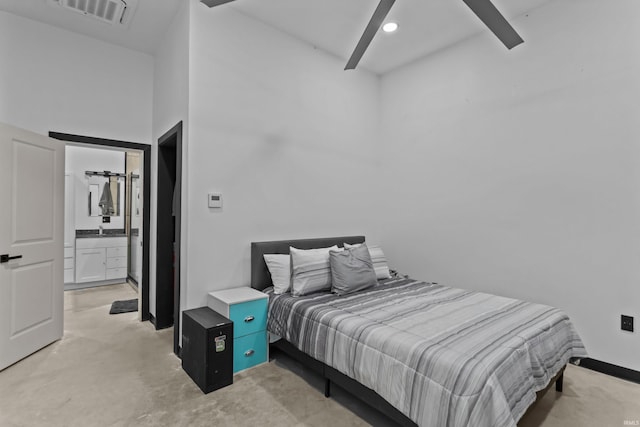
x,y
248,317
249,351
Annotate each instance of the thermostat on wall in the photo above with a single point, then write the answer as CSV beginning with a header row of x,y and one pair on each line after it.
x,y
215,200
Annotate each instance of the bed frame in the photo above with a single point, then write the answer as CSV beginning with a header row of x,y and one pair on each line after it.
x,y
261,279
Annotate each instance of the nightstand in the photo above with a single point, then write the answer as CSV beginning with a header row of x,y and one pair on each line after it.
x,y
247,308
207,348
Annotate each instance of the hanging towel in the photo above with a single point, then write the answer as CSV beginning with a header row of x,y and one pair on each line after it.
x,y
106,201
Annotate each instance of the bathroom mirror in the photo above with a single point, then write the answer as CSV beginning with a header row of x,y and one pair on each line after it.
x,y
104,196
94,199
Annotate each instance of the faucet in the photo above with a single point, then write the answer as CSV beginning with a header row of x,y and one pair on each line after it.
x,y
100,230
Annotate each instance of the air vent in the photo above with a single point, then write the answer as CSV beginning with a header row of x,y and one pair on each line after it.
x,y
109,11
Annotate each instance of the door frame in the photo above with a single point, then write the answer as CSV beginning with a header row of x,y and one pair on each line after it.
x,y
146,204
169,169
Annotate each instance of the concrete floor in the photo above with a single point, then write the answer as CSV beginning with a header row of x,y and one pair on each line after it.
x,y
111,370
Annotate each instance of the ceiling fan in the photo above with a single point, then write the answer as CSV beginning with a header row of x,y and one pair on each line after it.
x,y
484,9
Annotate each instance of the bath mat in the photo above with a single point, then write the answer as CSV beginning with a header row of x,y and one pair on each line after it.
x,y
126,306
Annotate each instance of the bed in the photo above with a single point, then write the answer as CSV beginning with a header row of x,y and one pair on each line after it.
x,y
422,353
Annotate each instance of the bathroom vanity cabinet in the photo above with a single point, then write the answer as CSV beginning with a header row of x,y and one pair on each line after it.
x,y
69,230
101,258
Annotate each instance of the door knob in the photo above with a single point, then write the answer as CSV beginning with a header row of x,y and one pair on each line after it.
x,y
6,258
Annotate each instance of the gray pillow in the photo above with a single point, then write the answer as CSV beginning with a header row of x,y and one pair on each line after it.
x,y
351,270
379,260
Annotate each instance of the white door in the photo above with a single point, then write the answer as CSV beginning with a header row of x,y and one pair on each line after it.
x,y
31,242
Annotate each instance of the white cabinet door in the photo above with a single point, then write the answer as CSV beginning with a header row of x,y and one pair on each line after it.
x,y
69,229
116,262
117,252
116,273
90,265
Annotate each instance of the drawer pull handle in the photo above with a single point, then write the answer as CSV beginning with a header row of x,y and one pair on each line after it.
x,y
249,353
249,319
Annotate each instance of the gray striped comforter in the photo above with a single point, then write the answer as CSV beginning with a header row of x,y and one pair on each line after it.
x,y
442,356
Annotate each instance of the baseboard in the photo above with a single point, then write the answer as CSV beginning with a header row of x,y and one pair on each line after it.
x,y
87,285
132,281
609,369
154,322
132,286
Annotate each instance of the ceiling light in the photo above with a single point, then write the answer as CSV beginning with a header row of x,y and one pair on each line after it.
x,y
389,27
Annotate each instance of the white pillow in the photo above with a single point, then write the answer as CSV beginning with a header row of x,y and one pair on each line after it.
x,y
280,268
378,258
310,270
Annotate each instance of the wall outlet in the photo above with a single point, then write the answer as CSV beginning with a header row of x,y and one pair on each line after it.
x,y
626,323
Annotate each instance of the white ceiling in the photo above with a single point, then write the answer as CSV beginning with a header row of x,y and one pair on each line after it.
x,y
336,25
331,25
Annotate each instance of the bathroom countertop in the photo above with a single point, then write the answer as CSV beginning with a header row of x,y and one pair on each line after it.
x,y
107,232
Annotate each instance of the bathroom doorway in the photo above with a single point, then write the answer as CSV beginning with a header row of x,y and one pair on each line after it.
x,y
169,232
103,264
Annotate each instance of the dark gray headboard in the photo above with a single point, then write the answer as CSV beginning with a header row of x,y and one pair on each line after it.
x,y
260,277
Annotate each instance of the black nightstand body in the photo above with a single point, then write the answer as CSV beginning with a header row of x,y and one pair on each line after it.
x,y
207,348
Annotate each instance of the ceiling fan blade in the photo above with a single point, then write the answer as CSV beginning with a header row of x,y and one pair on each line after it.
x,y
212,3
369,33
493,19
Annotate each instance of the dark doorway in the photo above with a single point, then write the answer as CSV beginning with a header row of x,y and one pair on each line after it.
x,y
168,232
146,207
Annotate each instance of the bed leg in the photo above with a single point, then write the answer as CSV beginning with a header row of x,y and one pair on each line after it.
x,y
559,383
327,387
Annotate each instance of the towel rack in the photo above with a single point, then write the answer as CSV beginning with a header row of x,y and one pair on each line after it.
x,y
106,174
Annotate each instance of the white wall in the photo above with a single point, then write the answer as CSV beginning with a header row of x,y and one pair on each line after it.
x,y
56,80
170,106
517,172
82,159
283,133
